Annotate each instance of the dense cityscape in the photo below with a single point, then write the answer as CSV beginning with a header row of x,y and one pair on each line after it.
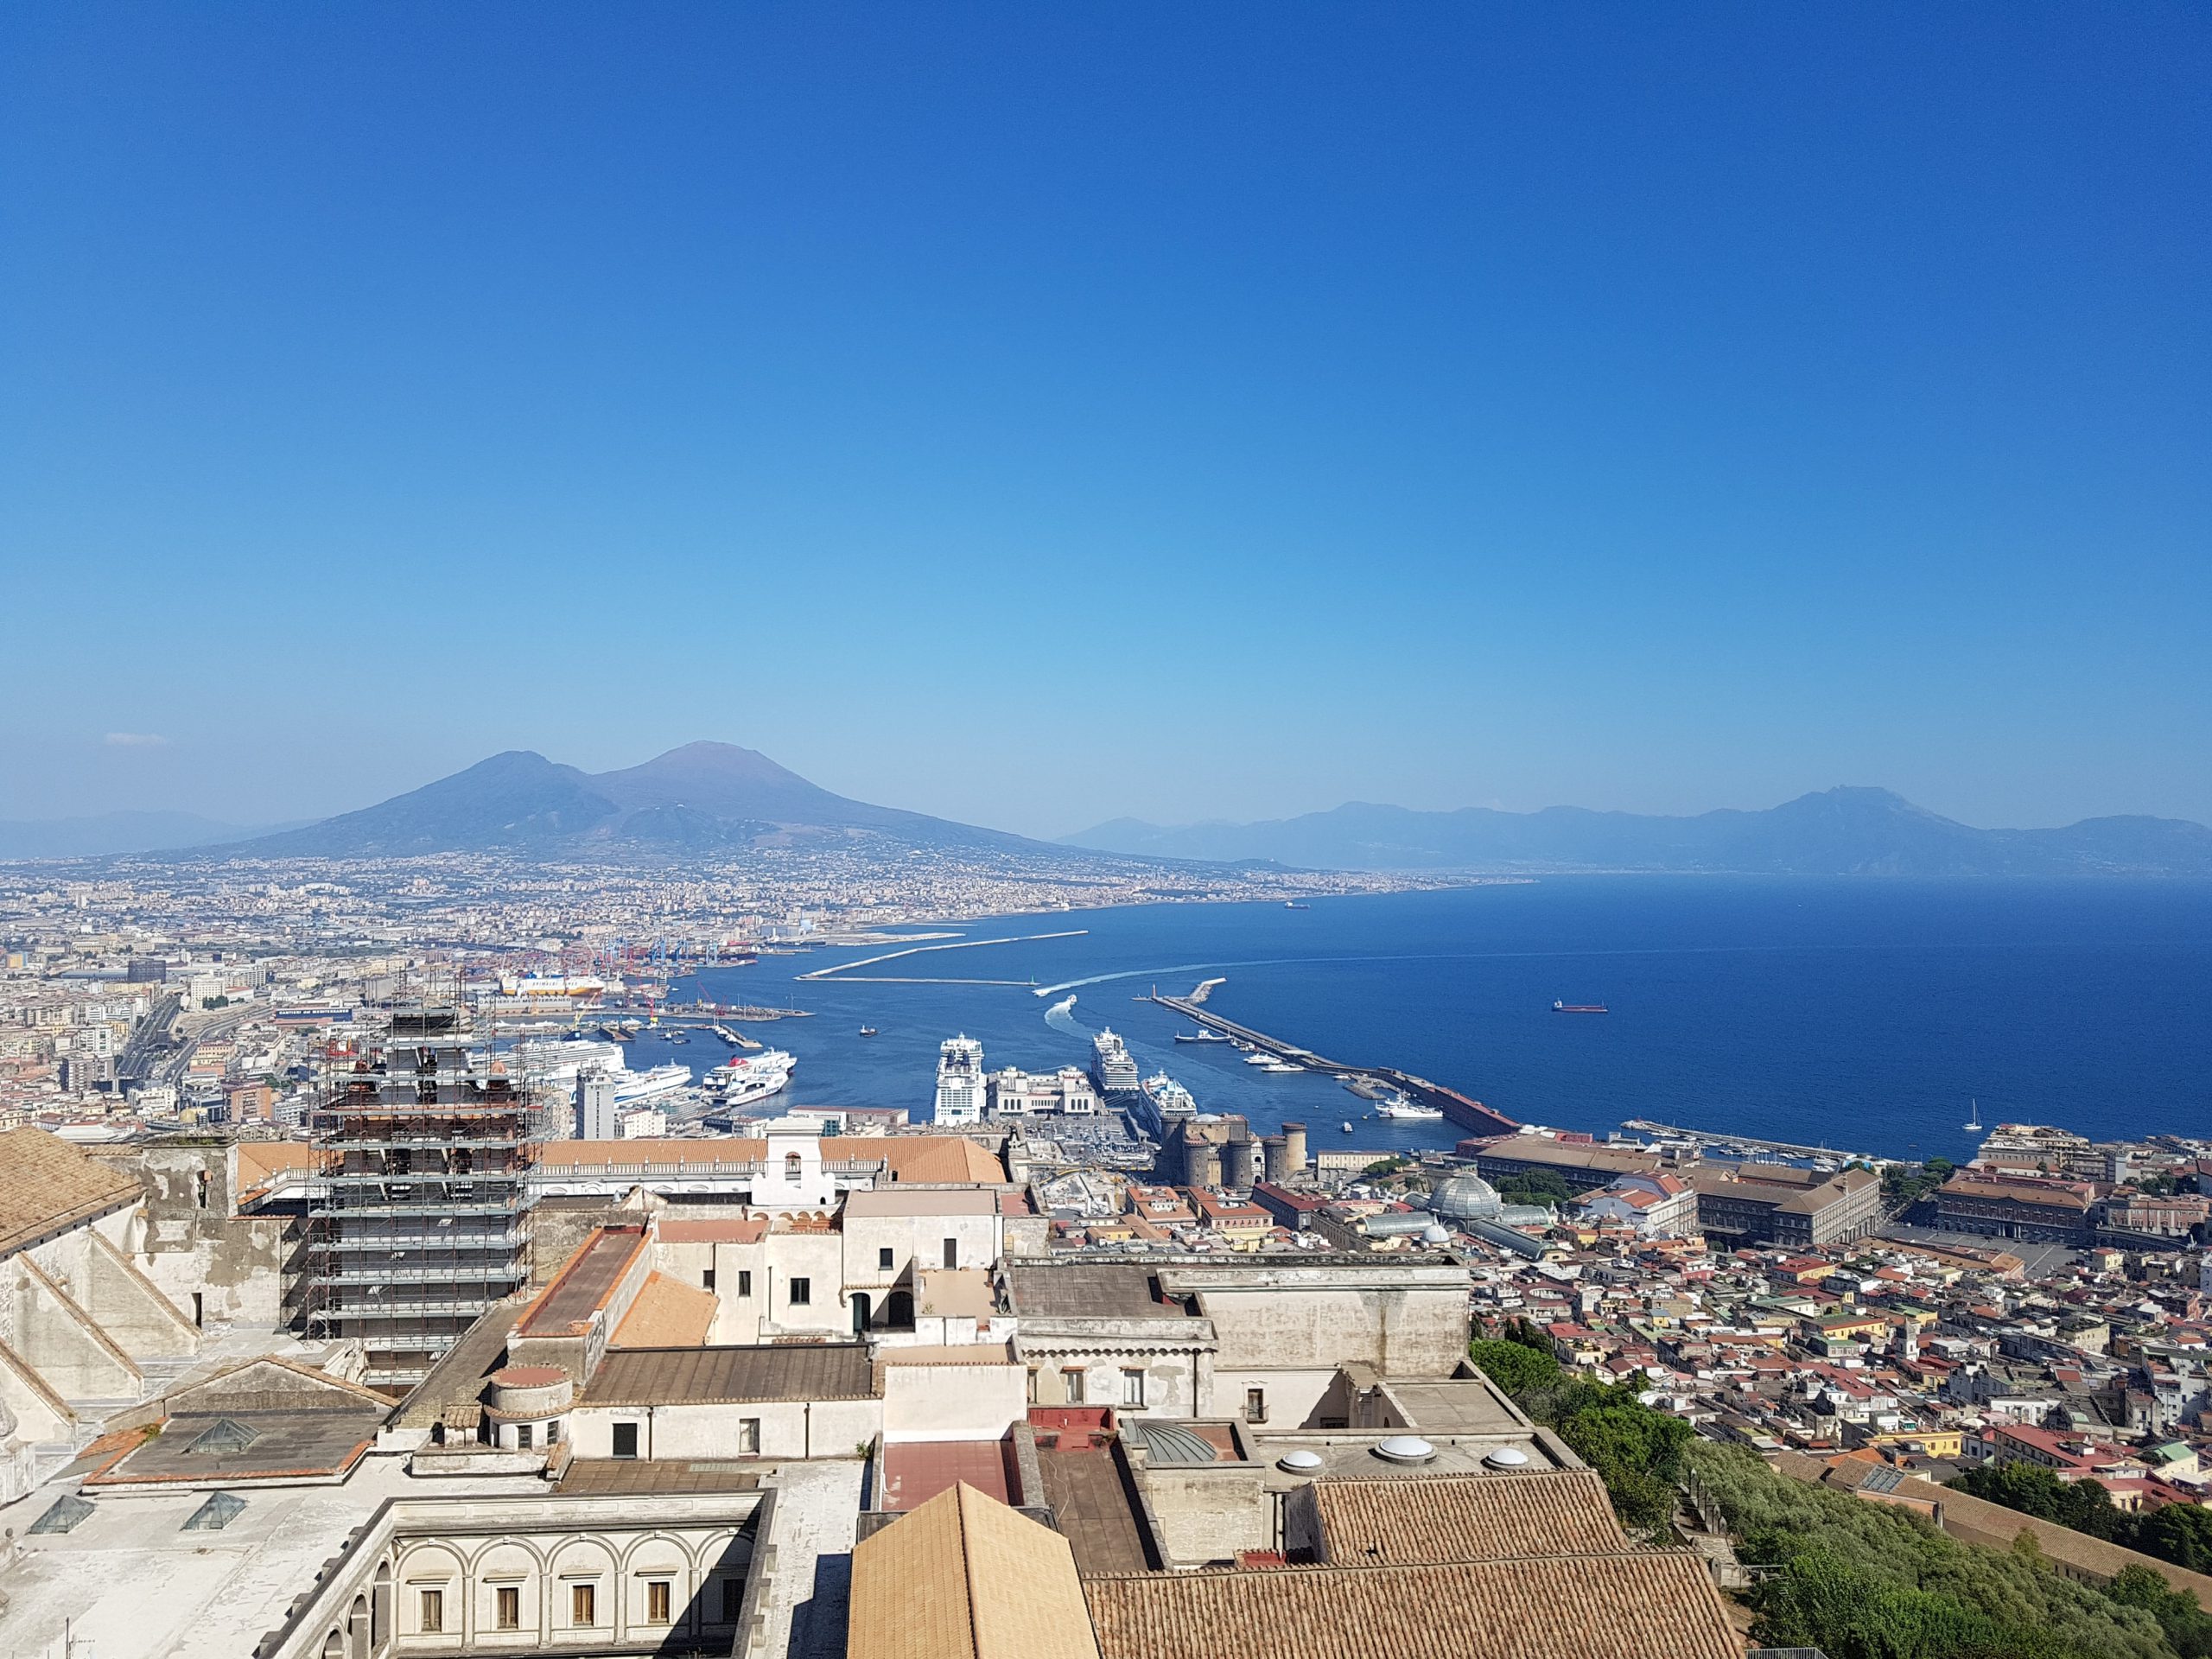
x,y
338,1225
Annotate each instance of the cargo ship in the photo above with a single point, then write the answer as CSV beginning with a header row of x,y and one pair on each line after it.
x,y
1579,1008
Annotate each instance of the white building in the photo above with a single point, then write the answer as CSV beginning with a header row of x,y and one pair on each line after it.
x,y
595,1118
960,1087
1015,1093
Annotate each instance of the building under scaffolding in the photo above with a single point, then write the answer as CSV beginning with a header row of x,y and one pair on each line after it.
x,y
418,1212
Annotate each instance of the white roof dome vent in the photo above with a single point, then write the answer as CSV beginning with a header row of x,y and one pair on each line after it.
x,y
1404,1448
1299,1463
1507,1457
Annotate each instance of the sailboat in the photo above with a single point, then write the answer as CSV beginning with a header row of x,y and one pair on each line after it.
x,y
1974,1117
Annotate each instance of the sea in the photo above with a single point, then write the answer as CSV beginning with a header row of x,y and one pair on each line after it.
x,y
1867,1014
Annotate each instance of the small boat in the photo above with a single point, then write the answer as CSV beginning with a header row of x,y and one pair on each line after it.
x,y
1974,1117
1578,1007
1347,1125
867,1031
1292,904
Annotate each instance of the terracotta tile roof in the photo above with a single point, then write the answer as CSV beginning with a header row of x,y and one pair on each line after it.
x,y
643,1377
964,1577
667,1314
1636,1605
1464,1517
737,1152
47,1186
940,1157
734,1230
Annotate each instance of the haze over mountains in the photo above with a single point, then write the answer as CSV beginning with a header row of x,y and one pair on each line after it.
x,y
701,797
716,797
1835,832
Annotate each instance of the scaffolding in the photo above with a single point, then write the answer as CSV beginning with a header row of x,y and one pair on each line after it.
x,y
419,1209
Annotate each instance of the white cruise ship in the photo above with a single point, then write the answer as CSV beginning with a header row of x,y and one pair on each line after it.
x,y
1111,1067
748,1077
649,1087
960,1086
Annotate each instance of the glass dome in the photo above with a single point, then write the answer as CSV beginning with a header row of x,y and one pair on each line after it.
x,y
1466,1197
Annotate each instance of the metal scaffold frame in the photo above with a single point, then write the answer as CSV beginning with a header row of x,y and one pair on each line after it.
x,y
419,1210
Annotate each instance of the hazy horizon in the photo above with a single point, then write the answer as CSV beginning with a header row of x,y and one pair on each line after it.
x,y
1037,419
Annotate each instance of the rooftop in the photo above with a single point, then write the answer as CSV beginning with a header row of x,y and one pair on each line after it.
x,y
47,1185
649,1376
964,1577
565,1306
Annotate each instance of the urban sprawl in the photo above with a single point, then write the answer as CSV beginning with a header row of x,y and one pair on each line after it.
x,y
358,1298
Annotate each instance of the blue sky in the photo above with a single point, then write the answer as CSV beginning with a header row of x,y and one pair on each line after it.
x,y
1040,414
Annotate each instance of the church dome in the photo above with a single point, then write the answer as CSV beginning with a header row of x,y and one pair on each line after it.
x,y
1466,1197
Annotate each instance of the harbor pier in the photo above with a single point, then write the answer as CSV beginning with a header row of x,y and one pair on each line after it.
x,y
1457,1108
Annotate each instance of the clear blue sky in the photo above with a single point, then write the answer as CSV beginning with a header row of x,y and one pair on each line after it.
x,y
1038,414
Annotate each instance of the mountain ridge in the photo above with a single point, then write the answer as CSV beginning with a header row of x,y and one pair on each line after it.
x,y
699,797
1847,831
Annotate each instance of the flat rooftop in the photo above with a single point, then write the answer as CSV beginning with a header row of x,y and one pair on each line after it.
x,y
583,1285
915,1471
661,1377
1085,1290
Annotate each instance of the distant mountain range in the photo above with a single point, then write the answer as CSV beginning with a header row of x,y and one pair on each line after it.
x,y
1835,832
701,797
108,833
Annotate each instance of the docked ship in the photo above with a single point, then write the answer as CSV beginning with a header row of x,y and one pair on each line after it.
x,y
1200,1036
649,1087
749,1077
1160,1098
1111,1068
1406,1111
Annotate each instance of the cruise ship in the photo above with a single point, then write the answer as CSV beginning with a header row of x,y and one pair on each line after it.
x,y
1160,1098
747,1078
1111,1067
649,1087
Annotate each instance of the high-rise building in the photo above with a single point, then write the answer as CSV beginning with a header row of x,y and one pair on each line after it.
x,y
418,1217
596,1116
960,1081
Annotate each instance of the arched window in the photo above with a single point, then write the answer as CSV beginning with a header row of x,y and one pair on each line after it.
x,y
790,1166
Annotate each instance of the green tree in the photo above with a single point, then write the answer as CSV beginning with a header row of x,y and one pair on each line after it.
x,y
1539,1186
2180,1533
2188,1627
1515,1367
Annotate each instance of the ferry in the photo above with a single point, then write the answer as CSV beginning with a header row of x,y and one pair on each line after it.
x,y
1579,1008
747,1078
643,1088
1259,1056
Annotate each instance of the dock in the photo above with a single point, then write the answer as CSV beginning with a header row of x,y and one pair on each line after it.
x,y
1703,1138
1457,1108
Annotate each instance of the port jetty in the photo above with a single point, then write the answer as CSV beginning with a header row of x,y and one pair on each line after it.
x,y
1471,1115
1705,1141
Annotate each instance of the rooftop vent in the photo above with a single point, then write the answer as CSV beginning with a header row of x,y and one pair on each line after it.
x,y
1507,1457
1404,1448
1299,1463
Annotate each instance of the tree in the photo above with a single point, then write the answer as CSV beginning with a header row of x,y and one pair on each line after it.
x,y
2188,1627
2180,1533
1515,1367
1537,1186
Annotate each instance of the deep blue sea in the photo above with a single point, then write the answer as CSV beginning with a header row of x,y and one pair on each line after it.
x,y
1859,1014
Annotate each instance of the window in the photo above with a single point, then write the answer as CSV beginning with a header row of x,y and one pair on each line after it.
x,y
524,1435
707,1280
744,1281
507,1607
657,1601
749,1436
434,1612
802,1292
1073,1383
1133,1388
1255,1405
732,1600
1033,1385
626,1440
583,1603
553,1434
951,1254
790,1166
883,1259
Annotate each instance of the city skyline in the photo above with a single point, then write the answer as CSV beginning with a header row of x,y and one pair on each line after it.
x,y
1197,417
